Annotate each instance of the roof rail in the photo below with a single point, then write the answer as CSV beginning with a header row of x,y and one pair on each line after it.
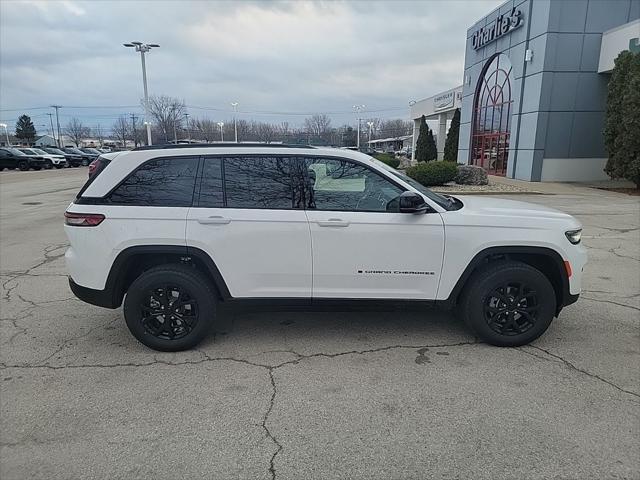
x,y
219,145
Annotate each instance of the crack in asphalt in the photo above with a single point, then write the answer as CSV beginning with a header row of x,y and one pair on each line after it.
x,y
574,367
600,300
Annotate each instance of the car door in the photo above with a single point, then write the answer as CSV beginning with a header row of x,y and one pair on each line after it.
x,y
5,161
247,220
362,246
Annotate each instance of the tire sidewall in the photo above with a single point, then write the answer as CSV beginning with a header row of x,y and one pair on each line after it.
x,y
192,282
486,282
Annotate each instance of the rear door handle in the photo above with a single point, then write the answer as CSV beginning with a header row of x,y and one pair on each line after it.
x,y
214,220
333,222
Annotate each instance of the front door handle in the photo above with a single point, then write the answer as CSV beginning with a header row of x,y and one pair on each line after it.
x,y
333,222
214,220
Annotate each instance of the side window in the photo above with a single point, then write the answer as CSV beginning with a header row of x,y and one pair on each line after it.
x,y
211,187
165,182
258,182
342,185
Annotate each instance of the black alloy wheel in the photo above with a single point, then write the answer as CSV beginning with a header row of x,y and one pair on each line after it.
x,y
508,303
170,307
23,165
169,312
511,309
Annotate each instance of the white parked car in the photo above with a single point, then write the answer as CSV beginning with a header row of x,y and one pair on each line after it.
x,y
50,159
176,230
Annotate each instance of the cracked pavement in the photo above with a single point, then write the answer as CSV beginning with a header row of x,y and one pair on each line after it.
x,y
288,395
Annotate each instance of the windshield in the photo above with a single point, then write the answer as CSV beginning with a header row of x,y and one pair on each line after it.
x,y
55,150
441,200
26,151
15,151
92,150
74,150
37,150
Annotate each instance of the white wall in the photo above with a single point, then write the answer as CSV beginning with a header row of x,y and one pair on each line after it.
x,y
615,41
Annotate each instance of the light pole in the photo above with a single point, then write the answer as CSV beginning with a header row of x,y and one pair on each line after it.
x,y
358,109
144,48
186,119
235,121
4,125
221,124
370,129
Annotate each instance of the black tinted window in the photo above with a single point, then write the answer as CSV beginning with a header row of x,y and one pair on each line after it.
x,y
211,189
258,182
336,184
159,183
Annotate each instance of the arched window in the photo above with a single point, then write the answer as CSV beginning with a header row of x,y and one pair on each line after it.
x,y
491,116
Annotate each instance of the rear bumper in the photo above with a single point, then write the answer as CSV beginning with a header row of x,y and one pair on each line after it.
x,y
100,298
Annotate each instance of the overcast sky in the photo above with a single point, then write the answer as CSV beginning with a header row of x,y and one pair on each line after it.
x,y
289,57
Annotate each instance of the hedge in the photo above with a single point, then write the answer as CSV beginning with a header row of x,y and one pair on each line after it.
x,y
387,158
433,173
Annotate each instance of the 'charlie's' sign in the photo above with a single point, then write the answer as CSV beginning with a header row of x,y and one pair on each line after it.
x,y
500,26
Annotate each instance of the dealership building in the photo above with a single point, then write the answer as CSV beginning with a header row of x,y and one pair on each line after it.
x,y
534,87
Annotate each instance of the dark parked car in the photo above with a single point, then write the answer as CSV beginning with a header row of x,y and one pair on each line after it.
x,y
11,158
85,158
37,162
92,151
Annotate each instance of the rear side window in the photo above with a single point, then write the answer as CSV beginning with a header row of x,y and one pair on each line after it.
x,y
258,182
164,182
100,164
211,186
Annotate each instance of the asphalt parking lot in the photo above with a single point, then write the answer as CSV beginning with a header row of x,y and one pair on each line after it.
x,y
402,395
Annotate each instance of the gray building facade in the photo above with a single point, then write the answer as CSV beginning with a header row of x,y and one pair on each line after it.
x,y
534,97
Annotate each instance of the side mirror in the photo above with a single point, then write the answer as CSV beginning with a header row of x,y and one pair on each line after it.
x,y
411,202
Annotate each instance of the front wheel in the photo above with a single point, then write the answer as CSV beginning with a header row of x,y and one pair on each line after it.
x,y
85,162
48,165
23,165
170,307
508,304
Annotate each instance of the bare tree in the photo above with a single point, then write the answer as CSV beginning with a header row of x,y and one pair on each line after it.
x,y
98,132
168,113
121,130
76,131
266,132
205,129
317,124
395,128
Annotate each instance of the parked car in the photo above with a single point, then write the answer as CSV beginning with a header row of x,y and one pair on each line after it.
x,y
239,222
95,153
12,158
51,160
84,158
36,161
73,160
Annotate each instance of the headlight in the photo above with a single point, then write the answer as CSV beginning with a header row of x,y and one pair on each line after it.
x,y
574,236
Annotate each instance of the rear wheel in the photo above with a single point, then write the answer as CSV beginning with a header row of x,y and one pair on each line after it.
x,y
508,303
23,165
170,307
85,162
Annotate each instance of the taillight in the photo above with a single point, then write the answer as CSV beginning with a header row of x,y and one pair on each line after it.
x,y
83,219
92,167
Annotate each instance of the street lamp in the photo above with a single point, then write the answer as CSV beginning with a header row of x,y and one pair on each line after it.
x,y
358,109
186,119
4,125
221,124
144,48
370,128
235,121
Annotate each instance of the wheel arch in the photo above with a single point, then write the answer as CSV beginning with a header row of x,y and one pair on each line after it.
x,y
133,261
544,259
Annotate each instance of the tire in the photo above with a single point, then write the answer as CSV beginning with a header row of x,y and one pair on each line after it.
x,y
85,162
146,295
508,303
59,166
48,165
23,165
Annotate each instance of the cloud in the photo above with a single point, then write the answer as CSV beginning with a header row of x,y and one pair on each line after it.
x,y
269,56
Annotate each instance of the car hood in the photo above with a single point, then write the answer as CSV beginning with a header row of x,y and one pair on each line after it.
x,y
498,207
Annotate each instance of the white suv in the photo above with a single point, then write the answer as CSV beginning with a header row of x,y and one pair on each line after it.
x,y
175,230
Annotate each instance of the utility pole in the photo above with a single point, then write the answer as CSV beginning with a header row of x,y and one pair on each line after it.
x,y
370,128
53,132
145,48
133,125
59,142
186,119
221,124
358,109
